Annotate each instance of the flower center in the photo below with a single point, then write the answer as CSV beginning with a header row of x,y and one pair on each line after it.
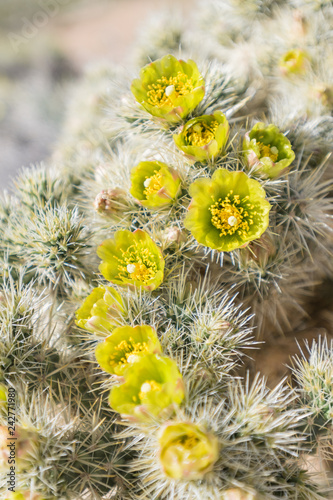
x,y
231,215
147,387
201,134
137,264
268,151
189,441
159,93
127,351
153,184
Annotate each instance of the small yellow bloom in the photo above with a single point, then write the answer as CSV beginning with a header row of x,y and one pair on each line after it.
x,y
101,310
227,211
153,387
203,137
126,346
294,62
186,451
133,259
154,184
169,88
267,150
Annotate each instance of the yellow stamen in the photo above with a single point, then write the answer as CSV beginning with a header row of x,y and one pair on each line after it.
x,y
138,260
231,215
159,92
189,441
268,151
154,184
148,386
125,349
201,134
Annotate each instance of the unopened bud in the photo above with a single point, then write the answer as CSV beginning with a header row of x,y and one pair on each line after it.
x,y
324,93
173,234
300,24
110,202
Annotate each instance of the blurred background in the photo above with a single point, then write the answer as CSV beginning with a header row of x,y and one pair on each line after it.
x,y
45,45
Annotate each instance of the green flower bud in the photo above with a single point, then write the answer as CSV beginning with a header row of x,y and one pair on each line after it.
x,y
132,259
203,137
154,184
125,346
186,451
267,150
227,211
111,203
169,88
101,310
324,93
153,387
294,62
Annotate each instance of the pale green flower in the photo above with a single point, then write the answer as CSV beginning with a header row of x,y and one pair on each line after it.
x,y
169,88
227,211
204,137
154,184
132,259
294,62
153,386
186,451
101,310
125,346
267,150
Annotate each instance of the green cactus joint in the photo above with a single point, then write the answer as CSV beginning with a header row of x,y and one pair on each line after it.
x,y
154,184
153,387
267,150
204,137
186,452
169,88
227,211
101,310
132,259
294,62
126,346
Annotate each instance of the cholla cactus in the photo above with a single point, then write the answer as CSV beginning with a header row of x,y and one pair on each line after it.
x,y
185,214
313,375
